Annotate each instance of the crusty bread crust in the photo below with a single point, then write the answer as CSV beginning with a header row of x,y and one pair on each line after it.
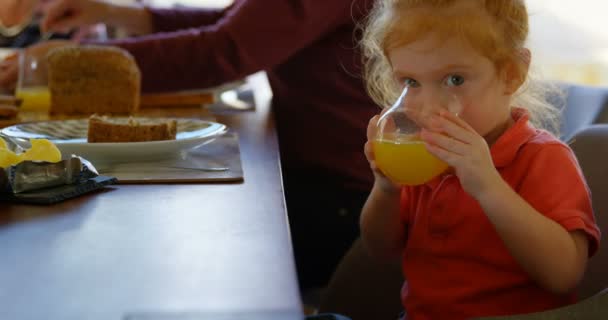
x,y
104,129
93,79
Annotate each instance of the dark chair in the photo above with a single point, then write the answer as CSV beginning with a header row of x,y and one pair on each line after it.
x,y
593,308
363,288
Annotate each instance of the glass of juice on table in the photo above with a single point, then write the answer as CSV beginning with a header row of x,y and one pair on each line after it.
x,y
400,153
32,84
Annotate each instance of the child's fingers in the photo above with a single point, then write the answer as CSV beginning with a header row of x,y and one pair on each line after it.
x,y
453,129
371,158
446,156
369,151
378,173
371,128
374,167
445,142
457,120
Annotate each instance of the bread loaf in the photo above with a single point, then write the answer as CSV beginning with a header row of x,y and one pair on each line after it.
x,y
93,79
105,129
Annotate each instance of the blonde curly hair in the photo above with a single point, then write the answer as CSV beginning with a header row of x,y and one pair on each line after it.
x,y
498,29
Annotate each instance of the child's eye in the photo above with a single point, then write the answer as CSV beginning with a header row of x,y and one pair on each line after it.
x,y
410,83
454,80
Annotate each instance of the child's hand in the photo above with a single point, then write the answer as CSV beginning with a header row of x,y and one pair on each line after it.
x,y
452,140
381,180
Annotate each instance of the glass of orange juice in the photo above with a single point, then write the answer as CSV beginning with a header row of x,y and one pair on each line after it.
x,y
400,153
32,84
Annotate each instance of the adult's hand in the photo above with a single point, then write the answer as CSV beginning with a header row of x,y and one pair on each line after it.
x,y
65,15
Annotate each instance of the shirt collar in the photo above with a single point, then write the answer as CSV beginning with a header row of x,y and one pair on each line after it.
x,y
506,148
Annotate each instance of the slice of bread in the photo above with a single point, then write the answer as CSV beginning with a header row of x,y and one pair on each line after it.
x,y
93,79
105,129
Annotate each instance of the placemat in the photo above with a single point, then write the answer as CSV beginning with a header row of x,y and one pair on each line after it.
x,y
216,161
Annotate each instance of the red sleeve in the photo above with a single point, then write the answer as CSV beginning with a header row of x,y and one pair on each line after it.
x,y
253,35
167,20
555,186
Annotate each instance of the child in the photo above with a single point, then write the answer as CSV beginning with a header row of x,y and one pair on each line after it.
x,y
509,229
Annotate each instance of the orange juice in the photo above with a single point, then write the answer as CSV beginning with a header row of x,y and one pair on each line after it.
x,y
406,161
34,98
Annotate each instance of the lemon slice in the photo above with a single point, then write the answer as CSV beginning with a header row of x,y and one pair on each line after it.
x,y
42,150
8,158
3,144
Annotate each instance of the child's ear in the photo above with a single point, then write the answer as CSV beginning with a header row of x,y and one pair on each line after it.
x,y
515,72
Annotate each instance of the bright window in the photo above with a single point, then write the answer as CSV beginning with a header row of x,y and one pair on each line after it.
x,y
569,40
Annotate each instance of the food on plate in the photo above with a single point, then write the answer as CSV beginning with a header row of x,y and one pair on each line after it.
x,y
93,79
41,150
107,129
8,158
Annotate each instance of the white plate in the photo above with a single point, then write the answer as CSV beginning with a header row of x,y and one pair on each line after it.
x,y
70,136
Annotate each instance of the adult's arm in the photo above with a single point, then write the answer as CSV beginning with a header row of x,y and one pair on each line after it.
x,y
252,35
135,19
168,20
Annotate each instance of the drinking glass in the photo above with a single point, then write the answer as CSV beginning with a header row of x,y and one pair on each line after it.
x,y
32,84
400,153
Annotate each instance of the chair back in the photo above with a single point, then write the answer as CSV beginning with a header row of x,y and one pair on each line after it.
x,y
593,308
591,148
364,288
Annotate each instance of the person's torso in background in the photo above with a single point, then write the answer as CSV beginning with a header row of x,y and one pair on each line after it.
x,y
322,108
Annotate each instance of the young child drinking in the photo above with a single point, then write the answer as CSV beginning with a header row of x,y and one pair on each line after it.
x,y
509,228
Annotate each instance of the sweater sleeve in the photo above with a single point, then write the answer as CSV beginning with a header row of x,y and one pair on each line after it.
x,y
169,20
250,36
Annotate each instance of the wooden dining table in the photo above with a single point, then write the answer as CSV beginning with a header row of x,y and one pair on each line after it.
x,y
159,251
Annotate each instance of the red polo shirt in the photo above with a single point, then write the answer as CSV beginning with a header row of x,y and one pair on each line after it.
x,y
455,263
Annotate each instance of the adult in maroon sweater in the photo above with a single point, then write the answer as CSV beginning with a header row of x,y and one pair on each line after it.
x,y
309,50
